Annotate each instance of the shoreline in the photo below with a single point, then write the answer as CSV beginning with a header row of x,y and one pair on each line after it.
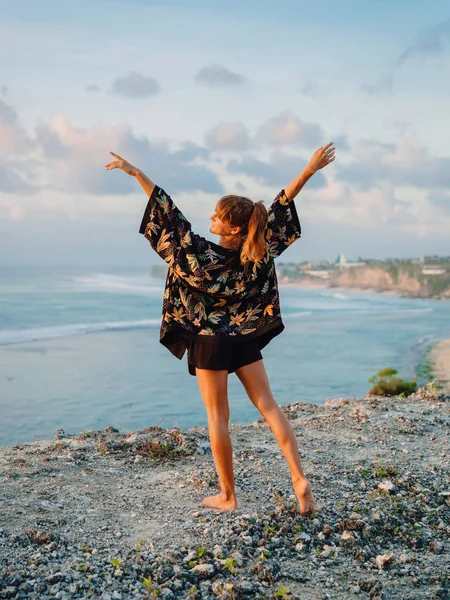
x,y
119,515
326,286
439,358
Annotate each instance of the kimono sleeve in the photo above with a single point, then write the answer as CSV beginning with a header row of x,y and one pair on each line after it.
x,y
166,228
283,226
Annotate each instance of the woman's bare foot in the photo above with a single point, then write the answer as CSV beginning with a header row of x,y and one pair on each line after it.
x,y
304,495
220,501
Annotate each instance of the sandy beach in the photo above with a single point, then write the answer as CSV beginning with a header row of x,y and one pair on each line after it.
x,y
440,362
113,515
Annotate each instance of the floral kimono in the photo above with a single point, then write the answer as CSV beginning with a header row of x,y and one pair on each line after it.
x,y
209,296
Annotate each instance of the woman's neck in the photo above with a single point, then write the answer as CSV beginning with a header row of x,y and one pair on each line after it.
x,y
228,242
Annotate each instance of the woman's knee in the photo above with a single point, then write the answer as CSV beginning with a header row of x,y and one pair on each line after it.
x,y
266,405
219,420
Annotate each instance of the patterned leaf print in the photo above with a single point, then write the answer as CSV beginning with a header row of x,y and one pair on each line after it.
x,y
273,249
211,254
228,292
221,302
151,226
186,240
214,288
200,309
215,316
268,310
234,307
265,288
187,303
163,201
163,242
252,312
178,314
283,199
193,262
237,319
177,270
223,277
192,280
245,331
206,331
291,240
240,286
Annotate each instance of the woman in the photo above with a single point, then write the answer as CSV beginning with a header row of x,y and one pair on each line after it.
x,y
221,304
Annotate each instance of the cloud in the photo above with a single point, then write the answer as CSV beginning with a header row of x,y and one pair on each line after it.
x,y
429,43
278,172
383,86
76,157
228,136
13,138
92,88
217,75
13,183
343,203
60,156
407,163
309,88
288,130
341,142
440,201
135,85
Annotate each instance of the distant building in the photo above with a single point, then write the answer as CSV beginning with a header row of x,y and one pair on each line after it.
x,y
318,273
342,262
433,270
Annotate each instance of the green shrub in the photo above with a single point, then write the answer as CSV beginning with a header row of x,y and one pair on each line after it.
x,y
385,383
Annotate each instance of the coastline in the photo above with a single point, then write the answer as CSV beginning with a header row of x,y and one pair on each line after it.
x,y
117,515
439,358
325,284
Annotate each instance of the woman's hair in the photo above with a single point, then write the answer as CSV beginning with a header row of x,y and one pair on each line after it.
x,y
252,218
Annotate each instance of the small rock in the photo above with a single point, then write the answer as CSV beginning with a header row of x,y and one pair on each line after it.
x,y
386,486
347,535
205,569
383,561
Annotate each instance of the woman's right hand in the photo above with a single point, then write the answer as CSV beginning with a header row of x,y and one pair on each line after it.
x,y
322,157
121,164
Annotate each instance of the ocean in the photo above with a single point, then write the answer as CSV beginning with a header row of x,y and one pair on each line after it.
x,y
79,349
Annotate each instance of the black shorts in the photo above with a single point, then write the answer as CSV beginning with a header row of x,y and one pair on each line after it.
x,y
227,356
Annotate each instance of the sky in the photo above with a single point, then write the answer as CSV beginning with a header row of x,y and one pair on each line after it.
x,y
214,98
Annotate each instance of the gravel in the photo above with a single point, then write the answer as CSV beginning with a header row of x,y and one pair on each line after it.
x,y
116,515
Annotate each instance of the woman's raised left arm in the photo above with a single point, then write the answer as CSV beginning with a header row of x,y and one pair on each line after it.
x,y
320,159
147,184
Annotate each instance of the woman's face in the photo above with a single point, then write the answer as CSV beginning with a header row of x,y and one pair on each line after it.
x,y
220,228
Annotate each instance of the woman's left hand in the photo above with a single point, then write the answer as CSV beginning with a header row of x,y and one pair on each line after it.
x,y
322,157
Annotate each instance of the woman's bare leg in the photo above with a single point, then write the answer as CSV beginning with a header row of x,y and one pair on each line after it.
x,y
256,384
213,387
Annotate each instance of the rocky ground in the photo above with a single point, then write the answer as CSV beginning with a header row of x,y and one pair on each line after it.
x,y
116,515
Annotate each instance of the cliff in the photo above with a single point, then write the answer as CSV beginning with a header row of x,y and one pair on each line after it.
x,y
407,281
